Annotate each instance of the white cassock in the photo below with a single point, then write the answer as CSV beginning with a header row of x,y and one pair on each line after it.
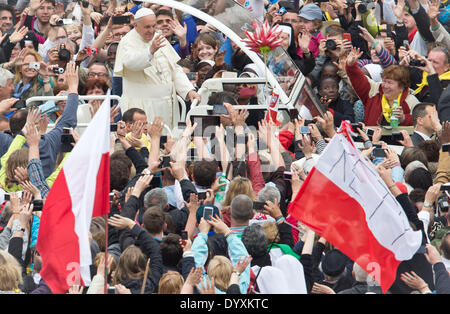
x,y
150,83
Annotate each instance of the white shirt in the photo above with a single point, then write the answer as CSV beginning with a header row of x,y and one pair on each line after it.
x,y
446,263
424,136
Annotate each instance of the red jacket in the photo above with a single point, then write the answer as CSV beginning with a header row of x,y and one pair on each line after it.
x,y
255,174
286,138
371,93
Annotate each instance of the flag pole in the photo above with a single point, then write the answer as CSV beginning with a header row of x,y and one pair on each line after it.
x,y
105,290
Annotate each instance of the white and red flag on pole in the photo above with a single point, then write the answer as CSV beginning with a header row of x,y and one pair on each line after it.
x,y
345,200
80,192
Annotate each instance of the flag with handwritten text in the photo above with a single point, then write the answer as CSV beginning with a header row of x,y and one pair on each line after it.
x,y
345,200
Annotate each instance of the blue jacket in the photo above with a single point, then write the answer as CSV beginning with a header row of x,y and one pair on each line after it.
x,y
236,250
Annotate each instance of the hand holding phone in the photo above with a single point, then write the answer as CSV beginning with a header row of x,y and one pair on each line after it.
x,y
207,212
258,206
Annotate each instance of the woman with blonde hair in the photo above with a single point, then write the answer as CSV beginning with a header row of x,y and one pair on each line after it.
x,y
239,185
171,283
10,273
32,77
9,282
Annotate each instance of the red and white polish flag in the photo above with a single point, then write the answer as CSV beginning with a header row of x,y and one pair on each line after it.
x,y
80,192
345,200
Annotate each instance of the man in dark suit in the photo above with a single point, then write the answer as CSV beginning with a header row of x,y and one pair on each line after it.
x,y
425,121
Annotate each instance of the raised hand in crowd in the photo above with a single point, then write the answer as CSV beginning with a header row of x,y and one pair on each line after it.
x,y
407,141
158,42
353,56
72,78
219,226
207,287
192,280
307,146
7,104
444,135
120,222
141,184
18,34
327,124
32,189
273,209
318,288
75,289
415,282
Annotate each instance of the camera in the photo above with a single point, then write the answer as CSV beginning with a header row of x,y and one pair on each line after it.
x,y
397,136
443,203
92,51
364,6
34,65
121,19
330,44
58,70
258,206
162,141
446,147
113,127
416,63
356,126
201,196
379,152
63,53
282,11
37,205
66,141
20,104
165,163
62,22
85,4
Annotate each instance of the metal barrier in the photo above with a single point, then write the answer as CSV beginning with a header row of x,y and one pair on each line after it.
x,y
58,98
81,126
216,85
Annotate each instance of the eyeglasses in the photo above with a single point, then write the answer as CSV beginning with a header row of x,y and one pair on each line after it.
x,y
291,21
94,74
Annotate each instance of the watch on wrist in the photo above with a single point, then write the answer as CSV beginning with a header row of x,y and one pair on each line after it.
x,y
146,171
20,229
426,204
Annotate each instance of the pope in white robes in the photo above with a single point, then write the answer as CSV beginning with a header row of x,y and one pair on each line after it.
x,y
151,76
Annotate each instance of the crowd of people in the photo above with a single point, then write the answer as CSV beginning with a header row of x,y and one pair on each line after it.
x,y
206,215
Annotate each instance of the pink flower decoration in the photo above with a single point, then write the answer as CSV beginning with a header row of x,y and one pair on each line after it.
x,y
264,39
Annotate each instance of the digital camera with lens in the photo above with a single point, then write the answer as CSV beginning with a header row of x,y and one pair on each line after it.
x,y
330,44
443,203
58,70
63,53
365,5
92,51
416,63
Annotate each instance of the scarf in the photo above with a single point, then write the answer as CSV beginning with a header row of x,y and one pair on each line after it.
x,y
412,34
19,90
387,108
443,77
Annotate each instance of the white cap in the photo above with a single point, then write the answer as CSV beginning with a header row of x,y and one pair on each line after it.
x,y
143,12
